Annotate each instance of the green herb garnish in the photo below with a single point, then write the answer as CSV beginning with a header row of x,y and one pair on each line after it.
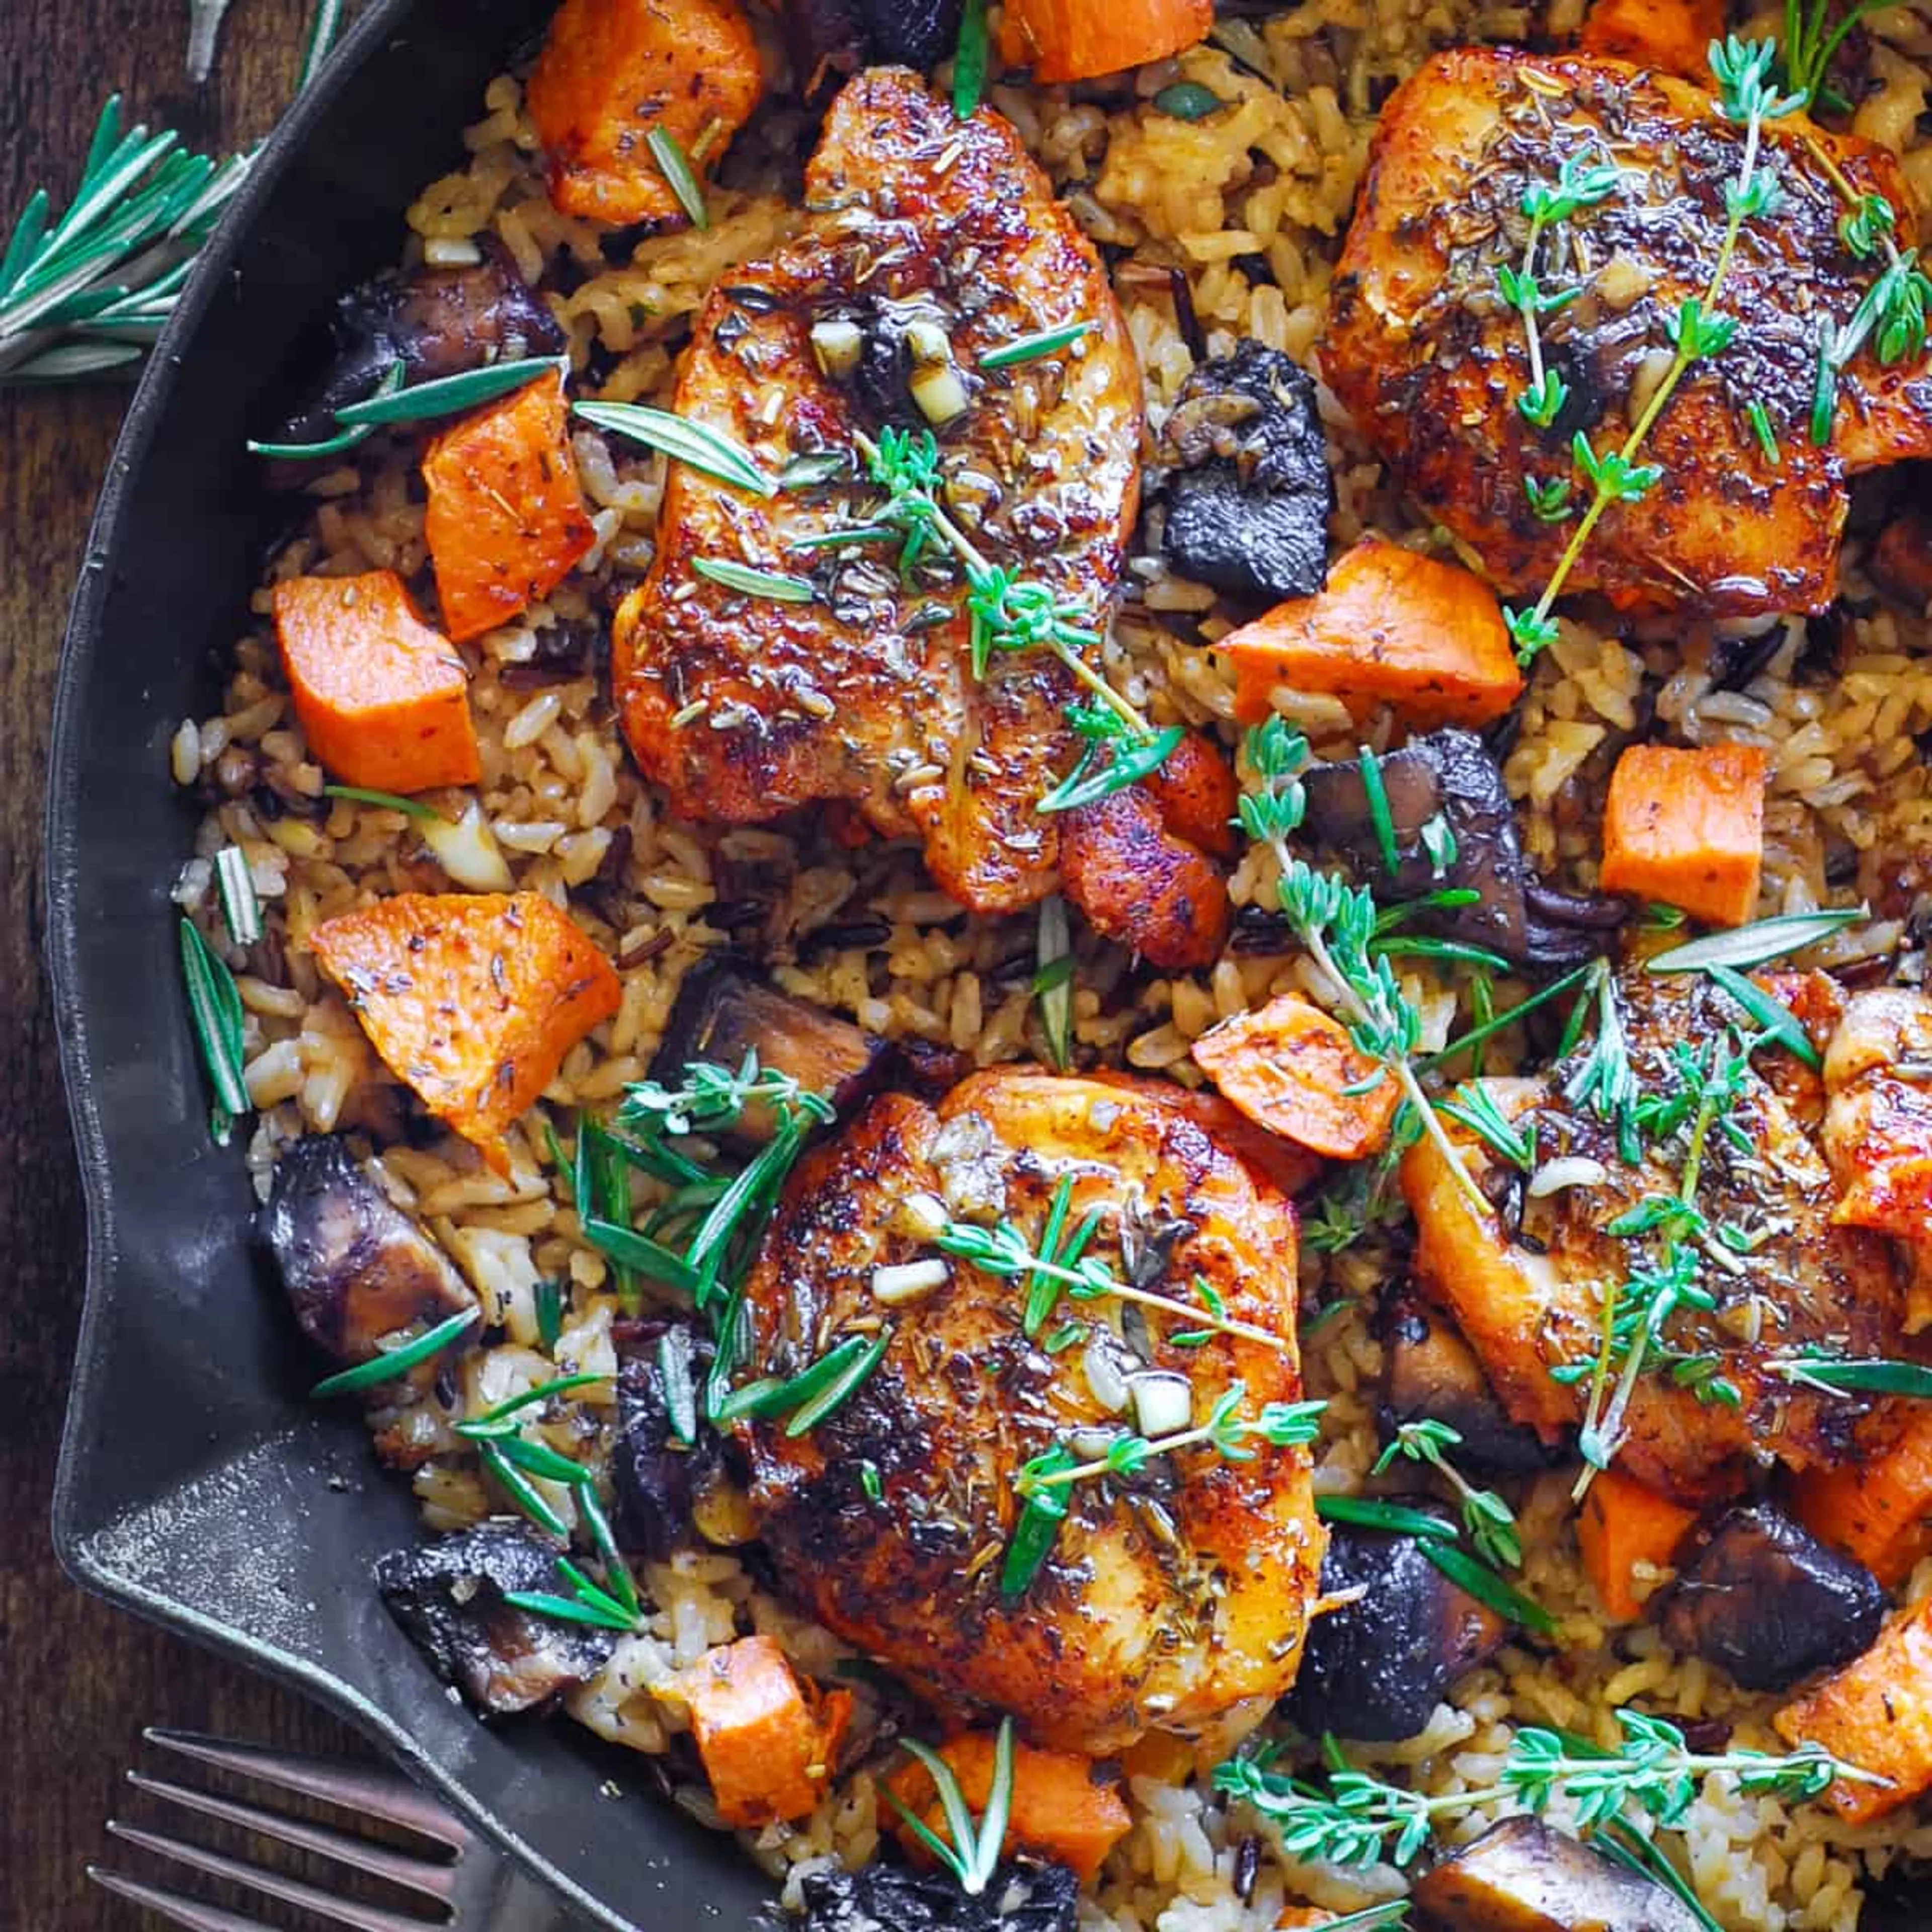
x,y
215,1006
1758,943
1032,348
1359,1819
450,395
235,885
970,61
973,1856
698,445
1053,980
1488,1521
399,1360
1840,1375
674,164
780,587
389,801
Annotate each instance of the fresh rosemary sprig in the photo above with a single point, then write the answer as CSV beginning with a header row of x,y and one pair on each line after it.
x,y
398,1361
1437,1541
1359,1819
1002,1250
214,1005
1758,943
1053,980
680,177
394,402
1338,924
1827,1374
90,292
1812,41
1699,330
973,1856
1489,1520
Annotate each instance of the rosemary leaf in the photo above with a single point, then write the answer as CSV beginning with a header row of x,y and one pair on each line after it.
x,y
386,1367
696,444
781,588
1032,348
969,62
214,1005
682,178
449,395
241,910
388,801
1764,940
1053,983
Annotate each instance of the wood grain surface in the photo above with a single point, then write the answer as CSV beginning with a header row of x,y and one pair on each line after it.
x,y
77,1681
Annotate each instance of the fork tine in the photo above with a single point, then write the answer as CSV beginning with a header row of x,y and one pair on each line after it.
x,y
176,1907
357,1918
382,1794
432,1879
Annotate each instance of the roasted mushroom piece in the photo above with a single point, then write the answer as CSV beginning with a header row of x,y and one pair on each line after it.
x,y
832,40
356,1266
435,321
653,1471
1453,828
1249,499
1767,1601
1522,1875
1021,1896
723,1012
449,1594
1376,1668
1430,1373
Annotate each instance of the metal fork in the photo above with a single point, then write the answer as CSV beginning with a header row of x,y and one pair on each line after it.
x,y
462,1883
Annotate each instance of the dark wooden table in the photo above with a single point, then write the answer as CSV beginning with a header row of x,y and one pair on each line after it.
x,y
77,1681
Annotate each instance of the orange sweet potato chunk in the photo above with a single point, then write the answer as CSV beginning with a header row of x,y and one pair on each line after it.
x,y
383,699
611,71
1877,1714
1074,40
1672,35
1877,1505
1685,825
1390,627
768,1745
473,999
1623,1524
1060,1810
1290,1069
505,522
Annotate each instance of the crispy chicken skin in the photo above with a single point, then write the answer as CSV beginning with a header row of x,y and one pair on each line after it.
x,y
1176,1600
866,694
1525,1283
1423,350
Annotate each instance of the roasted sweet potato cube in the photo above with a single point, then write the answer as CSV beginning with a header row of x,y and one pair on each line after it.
x,y
505,522
768,1744
1391,627
1685,825
1877,1505
1674,35
383,699
1075,40
472,1000
1875,1713
613,70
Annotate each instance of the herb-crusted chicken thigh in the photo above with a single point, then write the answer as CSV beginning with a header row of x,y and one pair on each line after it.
x,y
931,244
1529,1282
1425,349
1174,1596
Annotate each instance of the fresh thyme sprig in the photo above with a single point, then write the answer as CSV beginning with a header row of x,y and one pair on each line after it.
x,y
1488,1519
1359,1819
973,1856
1581,182
1338,924
1002,1250
88,293
1286,1425
1043,1483
1697,330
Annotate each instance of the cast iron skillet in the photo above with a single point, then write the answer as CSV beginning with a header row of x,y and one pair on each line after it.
x,y
196,1485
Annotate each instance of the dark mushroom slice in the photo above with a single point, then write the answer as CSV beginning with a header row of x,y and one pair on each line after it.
x,y
356,1266
652,1471
723,1012
1769,1602
1022,1896
1250,493
1444,790
448,1596
435,322
1901,563
1430,1373
832,40
1376,1668
1523,1876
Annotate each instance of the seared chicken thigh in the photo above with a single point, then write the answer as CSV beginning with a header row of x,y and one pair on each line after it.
x,y
1528,1282
1425,351
927,233
1173,1598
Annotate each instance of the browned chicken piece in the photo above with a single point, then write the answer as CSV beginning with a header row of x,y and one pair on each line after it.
x,y
925,229
1424,351
1878,1128
1175,1599
1525,1282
